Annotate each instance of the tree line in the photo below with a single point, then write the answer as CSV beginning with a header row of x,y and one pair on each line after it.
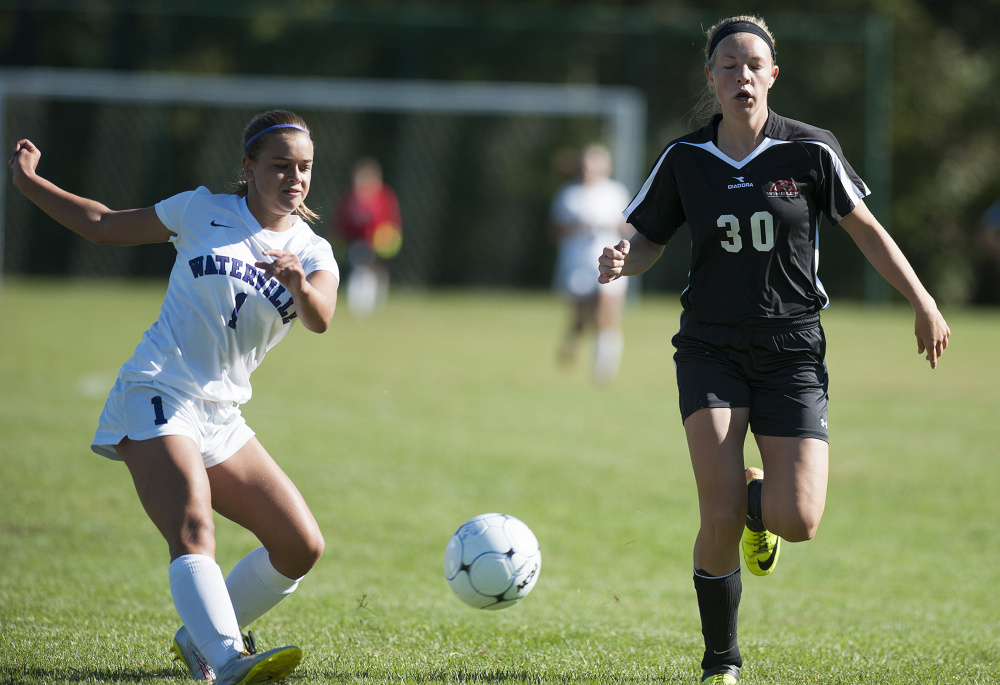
x,y
943,144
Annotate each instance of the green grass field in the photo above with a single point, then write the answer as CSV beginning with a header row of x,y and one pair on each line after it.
x,y
400,427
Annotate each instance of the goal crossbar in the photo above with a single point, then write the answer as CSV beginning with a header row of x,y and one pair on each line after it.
x,y
622,107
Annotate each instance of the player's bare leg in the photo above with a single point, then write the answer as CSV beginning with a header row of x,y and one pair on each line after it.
x,y
791,505
173,486
170,479
715,440
797,474
250,489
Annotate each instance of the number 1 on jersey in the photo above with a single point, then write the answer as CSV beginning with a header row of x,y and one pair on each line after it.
x,y
240,299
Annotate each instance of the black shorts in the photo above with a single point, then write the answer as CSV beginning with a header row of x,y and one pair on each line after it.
x,y
779,373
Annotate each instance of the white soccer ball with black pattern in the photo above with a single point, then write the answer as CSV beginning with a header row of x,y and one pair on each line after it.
x,y
492,561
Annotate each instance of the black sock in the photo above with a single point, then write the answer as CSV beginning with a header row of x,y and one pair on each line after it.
x,y
719,605
755,510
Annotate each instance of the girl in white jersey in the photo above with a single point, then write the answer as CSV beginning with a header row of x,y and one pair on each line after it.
x,y
750,352
247,267
586,216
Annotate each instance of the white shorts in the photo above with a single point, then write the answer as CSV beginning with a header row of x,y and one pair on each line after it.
x,y
576,270
140,411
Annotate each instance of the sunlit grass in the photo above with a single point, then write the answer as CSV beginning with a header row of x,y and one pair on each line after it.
x,y
400,427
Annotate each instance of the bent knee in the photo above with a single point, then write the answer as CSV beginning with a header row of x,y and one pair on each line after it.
x,y
297,560
194,536
800,530
314,549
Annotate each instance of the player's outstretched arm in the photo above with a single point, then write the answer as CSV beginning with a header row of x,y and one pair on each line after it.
x,y
882,252
88,218
628,258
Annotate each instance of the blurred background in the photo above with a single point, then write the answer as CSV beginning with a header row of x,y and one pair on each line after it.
x,y
911,89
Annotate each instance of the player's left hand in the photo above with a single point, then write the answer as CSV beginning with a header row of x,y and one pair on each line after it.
x,y
932,334
286,268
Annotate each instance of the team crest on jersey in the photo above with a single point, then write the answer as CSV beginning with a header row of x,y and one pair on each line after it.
x,y
782,189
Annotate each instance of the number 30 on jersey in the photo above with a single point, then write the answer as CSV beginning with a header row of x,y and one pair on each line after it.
x,y
761,232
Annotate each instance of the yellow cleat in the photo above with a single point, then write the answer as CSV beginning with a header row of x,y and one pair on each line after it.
x,y
722,675
760,548
250,669
722,679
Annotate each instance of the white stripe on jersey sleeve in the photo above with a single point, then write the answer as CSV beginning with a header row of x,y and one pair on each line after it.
x,y
766,144
819,283
641,195
845,180
710,148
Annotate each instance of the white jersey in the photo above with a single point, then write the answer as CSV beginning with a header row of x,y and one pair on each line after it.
x,y
593,214
220,315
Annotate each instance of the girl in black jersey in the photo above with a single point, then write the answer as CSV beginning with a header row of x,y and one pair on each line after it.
x,y
750,351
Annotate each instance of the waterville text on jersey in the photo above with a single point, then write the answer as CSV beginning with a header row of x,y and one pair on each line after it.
x,y
215,264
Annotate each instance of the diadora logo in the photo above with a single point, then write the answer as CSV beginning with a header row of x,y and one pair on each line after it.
x,y
740,183
783,188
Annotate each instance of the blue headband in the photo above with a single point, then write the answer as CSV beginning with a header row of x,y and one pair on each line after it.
x,y
271,128
740,26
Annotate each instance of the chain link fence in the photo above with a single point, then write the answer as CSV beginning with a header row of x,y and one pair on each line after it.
x,y
474,187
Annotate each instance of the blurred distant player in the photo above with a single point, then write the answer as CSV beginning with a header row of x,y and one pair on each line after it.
x,y
369,221
586,216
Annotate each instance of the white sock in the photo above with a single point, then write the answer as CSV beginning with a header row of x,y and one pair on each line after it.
x,y
256,587
362,291
608,355
203,603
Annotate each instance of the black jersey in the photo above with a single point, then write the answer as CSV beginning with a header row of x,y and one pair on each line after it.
x,y
754,223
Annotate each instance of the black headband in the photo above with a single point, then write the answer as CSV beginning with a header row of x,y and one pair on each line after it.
x,y
740,26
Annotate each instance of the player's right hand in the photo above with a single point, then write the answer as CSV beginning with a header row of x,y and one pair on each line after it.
x,y
612,261
25,158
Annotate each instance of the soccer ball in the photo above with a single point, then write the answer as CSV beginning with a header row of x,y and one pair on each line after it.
x,y
492,561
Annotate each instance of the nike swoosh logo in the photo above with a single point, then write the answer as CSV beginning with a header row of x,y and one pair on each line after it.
x,y
723,652
766,564
216,223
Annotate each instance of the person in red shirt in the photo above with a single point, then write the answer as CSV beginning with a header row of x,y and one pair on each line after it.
x,y
368,220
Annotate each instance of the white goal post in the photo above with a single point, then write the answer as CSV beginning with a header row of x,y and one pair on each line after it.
x,y
622,108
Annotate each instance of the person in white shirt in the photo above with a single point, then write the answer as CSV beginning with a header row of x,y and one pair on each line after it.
x,y
586,216
247,267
